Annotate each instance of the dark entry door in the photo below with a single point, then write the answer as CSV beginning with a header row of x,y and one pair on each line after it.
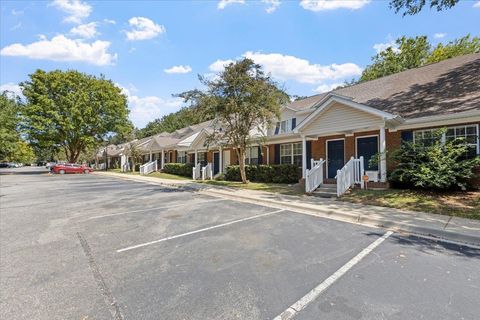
x,y
216,162
336,157
367,147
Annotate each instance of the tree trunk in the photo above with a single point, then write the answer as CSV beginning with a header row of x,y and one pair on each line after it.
x,y
133,165
241,162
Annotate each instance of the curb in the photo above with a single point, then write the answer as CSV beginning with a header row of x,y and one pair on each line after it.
x,y
437,234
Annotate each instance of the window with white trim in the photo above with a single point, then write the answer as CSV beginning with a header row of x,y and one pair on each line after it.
x,y
181,157
291,153
201,158
251,155
467,132
285,126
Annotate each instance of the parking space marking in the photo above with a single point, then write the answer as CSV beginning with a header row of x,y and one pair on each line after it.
x,y
295,308
150,209
198,231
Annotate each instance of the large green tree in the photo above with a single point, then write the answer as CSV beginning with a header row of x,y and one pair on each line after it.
x,y
72,110
412,7
9,120
415,52
243,99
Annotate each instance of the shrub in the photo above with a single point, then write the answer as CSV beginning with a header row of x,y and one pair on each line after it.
x,y
281,173
437,166
180,169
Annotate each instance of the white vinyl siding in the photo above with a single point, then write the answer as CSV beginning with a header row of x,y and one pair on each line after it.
x,y
338,118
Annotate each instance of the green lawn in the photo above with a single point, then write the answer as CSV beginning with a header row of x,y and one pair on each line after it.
x,y
269,187
458,204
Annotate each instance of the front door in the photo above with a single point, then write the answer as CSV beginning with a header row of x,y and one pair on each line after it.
x,y
368,147
216,162
335,157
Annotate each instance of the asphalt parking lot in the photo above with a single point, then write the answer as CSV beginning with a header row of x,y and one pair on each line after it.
x,y
92,247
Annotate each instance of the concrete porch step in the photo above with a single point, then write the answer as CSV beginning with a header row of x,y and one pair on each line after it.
x,y
326,191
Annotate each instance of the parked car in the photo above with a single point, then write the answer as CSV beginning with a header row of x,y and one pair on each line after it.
x,y
71,168
4,165
9,165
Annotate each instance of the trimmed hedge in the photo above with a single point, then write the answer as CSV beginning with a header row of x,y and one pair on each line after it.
x,y
278,173
180,169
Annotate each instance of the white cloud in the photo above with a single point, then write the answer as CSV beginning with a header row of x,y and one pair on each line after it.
x,y
12,88
223,3
439,35
476,4
109,21
327,87
379,47
322,5
146,109
285,67
76,10
87,31
143,29
273,5
179,69
61,48
219,65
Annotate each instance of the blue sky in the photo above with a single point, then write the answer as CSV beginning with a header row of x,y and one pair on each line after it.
x,y
153,49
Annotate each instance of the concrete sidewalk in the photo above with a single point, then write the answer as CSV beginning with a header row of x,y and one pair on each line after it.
x,y
425,224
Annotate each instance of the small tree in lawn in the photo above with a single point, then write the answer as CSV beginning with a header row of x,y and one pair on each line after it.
x,y
133,153
243,99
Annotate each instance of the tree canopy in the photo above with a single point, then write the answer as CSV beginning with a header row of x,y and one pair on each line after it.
x,y
412,7
243,100
415,52
190,115
72,111
12,146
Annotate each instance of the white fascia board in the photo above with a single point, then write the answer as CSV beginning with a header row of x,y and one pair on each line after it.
x,y
440,120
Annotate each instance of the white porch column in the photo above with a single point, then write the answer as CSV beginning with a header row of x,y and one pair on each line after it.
x,y
196,157
268,154
162,162
383,156
220,156
304,156
150,155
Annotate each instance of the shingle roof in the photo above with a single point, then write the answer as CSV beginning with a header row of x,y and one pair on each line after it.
x,y
440,88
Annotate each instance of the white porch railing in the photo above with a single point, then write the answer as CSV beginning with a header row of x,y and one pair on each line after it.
x,y
196,171
148,167
351,174
207,172
314,176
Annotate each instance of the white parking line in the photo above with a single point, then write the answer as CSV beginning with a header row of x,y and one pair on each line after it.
x,y
150,209
198,231
292,311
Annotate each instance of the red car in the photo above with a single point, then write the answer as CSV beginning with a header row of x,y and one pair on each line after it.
x,y
71,168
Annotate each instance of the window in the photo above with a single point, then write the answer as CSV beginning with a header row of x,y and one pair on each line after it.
x,y
426,137
181,157
201,158
251,155
285,126
467,132
291,153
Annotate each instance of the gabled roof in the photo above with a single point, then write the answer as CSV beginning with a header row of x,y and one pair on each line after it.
x,y
441,88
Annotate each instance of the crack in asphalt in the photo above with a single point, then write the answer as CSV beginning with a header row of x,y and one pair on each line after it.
x,y
105,290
